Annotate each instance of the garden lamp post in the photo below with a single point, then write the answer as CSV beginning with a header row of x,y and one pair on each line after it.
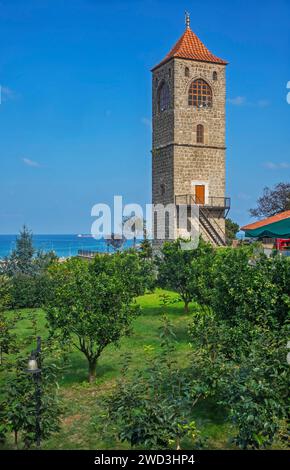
x,y
34,368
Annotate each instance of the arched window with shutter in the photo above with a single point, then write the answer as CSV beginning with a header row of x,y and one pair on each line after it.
x,y
163,97
200,94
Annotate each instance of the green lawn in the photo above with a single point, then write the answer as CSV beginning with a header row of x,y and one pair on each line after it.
x,y
83,402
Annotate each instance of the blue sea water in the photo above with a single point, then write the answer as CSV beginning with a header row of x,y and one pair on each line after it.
x,y
62,245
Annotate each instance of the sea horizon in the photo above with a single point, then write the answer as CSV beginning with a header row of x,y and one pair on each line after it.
x,y
64,245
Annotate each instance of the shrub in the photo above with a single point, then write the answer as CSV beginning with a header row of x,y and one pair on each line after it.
x,y
92,305
152,409
185,271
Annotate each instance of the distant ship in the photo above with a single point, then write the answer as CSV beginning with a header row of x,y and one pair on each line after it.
x,y
84,235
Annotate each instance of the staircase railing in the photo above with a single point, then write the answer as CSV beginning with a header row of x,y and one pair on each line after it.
x,y
219,234
213,233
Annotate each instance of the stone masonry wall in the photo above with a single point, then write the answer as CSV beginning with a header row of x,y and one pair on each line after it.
x,y
186,117
177,159
163,123
162,176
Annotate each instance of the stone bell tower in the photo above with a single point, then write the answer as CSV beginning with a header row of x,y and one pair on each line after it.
x,y
188,149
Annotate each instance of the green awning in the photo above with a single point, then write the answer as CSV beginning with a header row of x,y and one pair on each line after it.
x,y
279,229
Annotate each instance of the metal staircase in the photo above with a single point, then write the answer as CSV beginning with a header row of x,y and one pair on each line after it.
x,y
213,230
210,226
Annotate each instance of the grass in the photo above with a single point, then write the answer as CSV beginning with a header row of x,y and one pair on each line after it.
x,y
83,402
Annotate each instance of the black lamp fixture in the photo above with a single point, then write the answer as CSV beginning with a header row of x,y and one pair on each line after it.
x,y
34,368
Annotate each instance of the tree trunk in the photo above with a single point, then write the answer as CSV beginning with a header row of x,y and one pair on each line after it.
x,y
92,370
186,306
16,438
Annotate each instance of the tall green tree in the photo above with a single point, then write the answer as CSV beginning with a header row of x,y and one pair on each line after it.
x,y
21,259
7,320
133,271
256,390
242,286
231,230
278,271
243,367
146,250
91,305
26,267
152,408
273,201
185,271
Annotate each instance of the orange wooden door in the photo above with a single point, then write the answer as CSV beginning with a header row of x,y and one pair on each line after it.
x,y
200,194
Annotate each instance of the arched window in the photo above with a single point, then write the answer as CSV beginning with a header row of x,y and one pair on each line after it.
x,y
214,76
200,134
200,94
163,97
162,189
186,71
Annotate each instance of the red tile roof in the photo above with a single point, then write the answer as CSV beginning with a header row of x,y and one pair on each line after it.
x,y
268,221
189,46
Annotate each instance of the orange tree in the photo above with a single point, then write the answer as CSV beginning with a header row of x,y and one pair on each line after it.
x,y
185,271
239,342
248,285
91,305
152,408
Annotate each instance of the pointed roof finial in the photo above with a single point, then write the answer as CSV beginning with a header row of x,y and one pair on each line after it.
x,y
187,20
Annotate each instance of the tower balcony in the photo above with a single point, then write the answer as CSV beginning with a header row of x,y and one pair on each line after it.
x,y
220,205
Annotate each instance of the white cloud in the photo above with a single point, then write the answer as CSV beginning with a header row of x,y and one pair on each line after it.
x,y
277,166
238,101
243,101
29,162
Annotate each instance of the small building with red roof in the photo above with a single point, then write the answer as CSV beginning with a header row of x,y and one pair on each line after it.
x,y
277,226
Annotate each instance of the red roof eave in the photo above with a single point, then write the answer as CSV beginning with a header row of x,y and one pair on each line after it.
x,y
190,47
221,62
268,221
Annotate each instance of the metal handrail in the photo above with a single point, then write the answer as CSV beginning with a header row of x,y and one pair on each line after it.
x,y
212,201
206,212
87,253
218,231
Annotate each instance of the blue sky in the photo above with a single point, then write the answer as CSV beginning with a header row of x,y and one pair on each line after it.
x,y
76,101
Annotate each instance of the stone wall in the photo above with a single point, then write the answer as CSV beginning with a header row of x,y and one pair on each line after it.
x,y
163,175
163,123
178,162
188,117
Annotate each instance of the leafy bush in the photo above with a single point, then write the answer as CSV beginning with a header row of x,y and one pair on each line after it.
x,y
7,321
242,365
242,287
19,410
152,409
134,271
26,268
256,391
185,271
92,305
